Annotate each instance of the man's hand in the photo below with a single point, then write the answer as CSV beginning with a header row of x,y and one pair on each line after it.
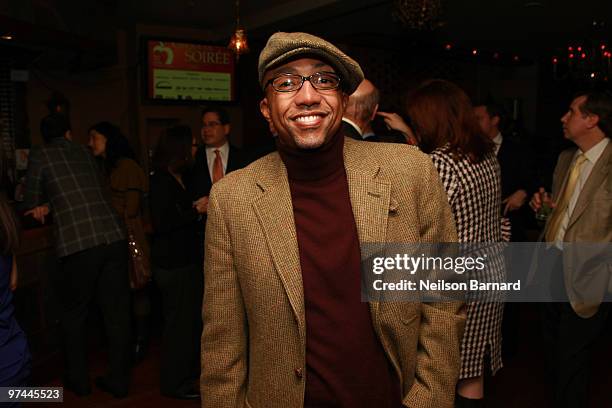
x,y
39,213
515,201
201,205
540,197
395,122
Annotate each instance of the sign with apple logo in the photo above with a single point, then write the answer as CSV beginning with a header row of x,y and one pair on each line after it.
x,y
163,54
179,70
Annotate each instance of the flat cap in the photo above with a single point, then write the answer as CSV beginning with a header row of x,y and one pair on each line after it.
x,y
284,46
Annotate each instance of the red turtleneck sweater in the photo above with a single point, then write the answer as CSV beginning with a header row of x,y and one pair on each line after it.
x,y
345,363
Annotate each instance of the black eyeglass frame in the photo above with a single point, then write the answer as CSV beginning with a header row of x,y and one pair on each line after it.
x,y
304,79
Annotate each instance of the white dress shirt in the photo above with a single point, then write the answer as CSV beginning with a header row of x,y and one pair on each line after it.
x,y
498,141
350,122
210,157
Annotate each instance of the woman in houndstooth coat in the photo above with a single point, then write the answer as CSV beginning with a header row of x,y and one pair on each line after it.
x,y
444,124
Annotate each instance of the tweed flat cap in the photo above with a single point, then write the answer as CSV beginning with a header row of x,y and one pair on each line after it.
x,y
284,46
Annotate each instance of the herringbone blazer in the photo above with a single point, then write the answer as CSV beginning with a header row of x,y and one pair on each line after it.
x,y
254,338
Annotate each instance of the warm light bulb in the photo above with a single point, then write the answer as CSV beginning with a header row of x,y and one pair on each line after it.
x,y
238,43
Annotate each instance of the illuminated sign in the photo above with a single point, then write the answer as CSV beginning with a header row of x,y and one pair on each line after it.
x,y
187,71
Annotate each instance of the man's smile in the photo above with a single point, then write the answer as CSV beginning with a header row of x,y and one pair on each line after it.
x,y
309,119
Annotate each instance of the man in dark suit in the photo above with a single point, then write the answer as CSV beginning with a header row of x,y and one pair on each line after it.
x,y
214,159
63,179
360,112
578,234
517,169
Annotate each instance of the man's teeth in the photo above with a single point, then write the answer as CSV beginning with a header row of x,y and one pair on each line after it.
x,y
311,118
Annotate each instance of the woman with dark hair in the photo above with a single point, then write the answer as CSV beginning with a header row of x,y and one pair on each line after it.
x,y
15,361
443,122
176,267
128,186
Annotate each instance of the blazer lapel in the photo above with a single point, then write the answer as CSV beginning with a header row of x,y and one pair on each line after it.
x,y
371,203
274,211
370,199
597,176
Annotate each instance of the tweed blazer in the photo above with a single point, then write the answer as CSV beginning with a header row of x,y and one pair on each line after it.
x,y
587,270
254,337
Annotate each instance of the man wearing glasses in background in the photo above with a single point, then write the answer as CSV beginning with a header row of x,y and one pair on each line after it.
x,y
214,159
284,324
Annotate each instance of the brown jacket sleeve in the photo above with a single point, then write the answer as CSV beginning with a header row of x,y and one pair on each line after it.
x,y
128,184
438,358
224,338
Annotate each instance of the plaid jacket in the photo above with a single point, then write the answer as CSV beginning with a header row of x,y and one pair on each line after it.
x,y
65,175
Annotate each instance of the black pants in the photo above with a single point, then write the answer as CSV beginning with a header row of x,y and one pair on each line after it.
x,y
181,291
99,274
568,340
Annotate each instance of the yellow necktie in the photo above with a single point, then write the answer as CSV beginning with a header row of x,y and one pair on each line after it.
x,y
564,199
217,167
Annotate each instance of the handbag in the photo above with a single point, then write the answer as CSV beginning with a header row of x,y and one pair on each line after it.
x,y
138,249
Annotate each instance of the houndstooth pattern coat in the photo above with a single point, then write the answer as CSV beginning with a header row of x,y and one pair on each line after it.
x,y
474,194
254,341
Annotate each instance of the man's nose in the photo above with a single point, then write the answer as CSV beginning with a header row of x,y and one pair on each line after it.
x,y
307,95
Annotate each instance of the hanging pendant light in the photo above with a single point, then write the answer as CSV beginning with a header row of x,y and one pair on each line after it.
x,y
238,43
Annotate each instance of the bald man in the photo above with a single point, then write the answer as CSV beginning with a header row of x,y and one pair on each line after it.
x,y
360,111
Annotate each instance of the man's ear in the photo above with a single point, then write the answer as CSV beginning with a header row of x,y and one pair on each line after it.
x,y
264,108
592,120
68,135
226,129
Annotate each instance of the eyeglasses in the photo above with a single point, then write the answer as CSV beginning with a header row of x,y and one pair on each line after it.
x,y
322,81
211,124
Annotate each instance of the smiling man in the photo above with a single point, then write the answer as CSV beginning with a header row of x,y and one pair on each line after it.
x,y
284,325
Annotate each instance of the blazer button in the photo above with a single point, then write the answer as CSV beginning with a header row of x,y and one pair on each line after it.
x,y
299,373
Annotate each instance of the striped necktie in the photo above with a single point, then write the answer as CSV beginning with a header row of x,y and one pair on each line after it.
x,y
217,167
564,199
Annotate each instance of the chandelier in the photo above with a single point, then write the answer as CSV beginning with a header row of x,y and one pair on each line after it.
x,y
419,14
238,43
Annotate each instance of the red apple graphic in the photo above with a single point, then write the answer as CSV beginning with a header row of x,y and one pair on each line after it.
x,y
163,54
